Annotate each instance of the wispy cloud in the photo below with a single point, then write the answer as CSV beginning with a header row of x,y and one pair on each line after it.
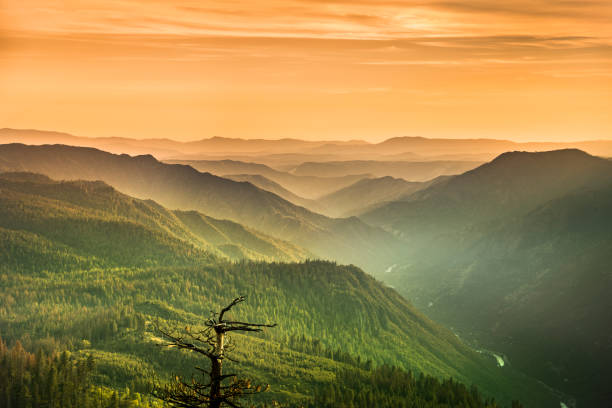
x,y
451,24
301,18
585,9
286,55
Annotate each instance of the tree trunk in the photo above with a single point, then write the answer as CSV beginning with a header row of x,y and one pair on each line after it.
x,y
216,372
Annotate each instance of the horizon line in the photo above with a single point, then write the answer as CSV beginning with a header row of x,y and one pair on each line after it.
x,y
340,141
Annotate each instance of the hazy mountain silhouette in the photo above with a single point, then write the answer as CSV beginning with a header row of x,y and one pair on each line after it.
x,y
182,187
166,148
516,254
295,151
157,147
269,185
513,182
366,193
408,170
310,187
422,146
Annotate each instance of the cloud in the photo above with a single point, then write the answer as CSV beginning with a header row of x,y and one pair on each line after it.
x,y
328,19
451,34
543,8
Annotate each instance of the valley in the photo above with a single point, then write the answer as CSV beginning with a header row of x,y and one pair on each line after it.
x,y
70,254
305,204
492,252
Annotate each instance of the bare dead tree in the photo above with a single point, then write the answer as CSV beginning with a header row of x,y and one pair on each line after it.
x,y
212,342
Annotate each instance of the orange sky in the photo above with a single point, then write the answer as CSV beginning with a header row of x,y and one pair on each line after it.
x,y
313,69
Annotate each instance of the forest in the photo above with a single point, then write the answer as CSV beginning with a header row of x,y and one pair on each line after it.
x,y
78,307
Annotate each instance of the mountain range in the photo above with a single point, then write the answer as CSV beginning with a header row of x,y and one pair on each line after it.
x,y
295,151
407,170
308,187
182,187
366,193
265,183
52,210
108,264
503,187
515,254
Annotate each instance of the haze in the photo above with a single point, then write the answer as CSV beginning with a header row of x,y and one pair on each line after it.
x,y
520,70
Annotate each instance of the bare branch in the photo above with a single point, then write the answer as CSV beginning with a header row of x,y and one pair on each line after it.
x,y
227,308
211,343
253,324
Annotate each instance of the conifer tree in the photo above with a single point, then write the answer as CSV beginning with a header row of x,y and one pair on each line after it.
x,y
214,391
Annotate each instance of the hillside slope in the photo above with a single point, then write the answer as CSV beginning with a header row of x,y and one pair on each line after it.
x,y
55,210
516,255
347,240
511,184
266,184
366,193
309,187
106,307
534,287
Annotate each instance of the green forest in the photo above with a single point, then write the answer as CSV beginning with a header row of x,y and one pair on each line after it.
x,y
85,283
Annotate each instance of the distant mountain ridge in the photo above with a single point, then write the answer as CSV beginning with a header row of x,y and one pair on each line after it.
x,y
354,149
309,187
164,147
413,170
273,187
503,186
182,187
367,192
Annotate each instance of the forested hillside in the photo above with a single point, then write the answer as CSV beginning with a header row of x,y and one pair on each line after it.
x,y
516,256
78,296
513,183
542,282
322,310
95,223
306,204
54,379
347,240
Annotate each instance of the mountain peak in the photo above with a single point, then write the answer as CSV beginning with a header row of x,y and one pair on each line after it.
x,y
551,154
401,139
146,158
522,162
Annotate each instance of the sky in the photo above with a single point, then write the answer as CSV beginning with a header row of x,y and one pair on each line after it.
x,y
313,69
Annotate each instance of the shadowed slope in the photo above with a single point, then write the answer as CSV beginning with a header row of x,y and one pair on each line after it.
x,y
512,183
310,187
366,193
266,184
516,255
